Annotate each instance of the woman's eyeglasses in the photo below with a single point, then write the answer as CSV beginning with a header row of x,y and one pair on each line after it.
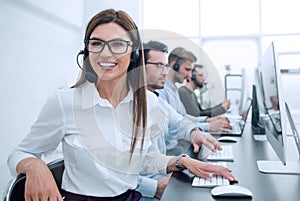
x,y
116,46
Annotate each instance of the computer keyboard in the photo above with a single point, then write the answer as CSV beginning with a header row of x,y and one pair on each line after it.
x,y
226,154
236,127
216,180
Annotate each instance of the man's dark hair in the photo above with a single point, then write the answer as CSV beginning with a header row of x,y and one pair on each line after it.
x,y
180,54
154,45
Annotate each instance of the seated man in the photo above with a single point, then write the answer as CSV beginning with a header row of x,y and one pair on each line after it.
x,y
181,64
189,98
152,186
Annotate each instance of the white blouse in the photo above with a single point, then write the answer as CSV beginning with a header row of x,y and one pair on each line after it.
x,y
96,140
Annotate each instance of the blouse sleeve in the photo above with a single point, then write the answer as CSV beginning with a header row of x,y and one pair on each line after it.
x,y
44,136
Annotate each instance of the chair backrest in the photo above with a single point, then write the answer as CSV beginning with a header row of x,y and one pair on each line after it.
x,y
15,191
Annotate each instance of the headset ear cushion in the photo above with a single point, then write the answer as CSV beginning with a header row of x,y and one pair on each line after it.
x,y
176,66
135,56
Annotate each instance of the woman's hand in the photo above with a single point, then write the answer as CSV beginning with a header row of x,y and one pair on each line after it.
x,y
40,184
202,169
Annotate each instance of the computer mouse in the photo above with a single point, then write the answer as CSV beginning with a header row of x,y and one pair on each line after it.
x,y
227,139
231,191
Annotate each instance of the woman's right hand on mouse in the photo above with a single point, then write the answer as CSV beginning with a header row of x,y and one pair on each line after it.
x,y
40,184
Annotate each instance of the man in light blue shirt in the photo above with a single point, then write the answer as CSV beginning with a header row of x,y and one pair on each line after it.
x,y
178,126
181,64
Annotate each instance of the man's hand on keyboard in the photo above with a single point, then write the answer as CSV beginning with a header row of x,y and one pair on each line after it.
x,y
199,138
206,170
219,123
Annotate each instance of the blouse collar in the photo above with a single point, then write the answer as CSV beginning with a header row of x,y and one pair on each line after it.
x,y
90,96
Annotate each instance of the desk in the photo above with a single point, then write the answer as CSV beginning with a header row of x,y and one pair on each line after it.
x,y
247,151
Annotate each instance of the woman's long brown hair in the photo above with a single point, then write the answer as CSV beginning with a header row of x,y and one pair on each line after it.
x,y
136,77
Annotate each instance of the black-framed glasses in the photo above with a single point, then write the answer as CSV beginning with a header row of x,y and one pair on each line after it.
x,y
116,46
159,66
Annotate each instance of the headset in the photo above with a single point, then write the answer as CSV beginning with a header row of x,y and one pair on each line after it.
x,y
176,66
194,76
135,56
90,75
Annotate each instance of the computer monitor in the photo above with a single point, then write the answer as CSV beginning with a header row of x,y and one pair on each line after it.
x,y
243,94
274,106
295,132
259,91
257,127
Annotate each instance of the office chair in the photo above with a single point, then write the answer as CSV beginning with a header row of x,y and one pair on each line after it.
x,y
15,189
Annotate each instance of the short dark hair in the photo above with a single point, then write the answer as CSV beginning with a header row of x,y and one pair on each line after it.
x,y
154,45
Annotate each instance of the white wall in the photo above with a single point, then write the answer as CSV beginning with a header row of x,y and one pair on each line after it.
x,y
38,50
39,43
130,6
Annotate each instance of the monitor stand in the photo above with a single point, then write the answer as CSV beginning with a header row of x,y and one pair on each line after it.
x,y
260,137
276,167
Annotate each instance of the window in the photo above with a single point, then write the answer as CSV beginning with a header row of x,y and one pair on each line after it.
x,y
229,17
230,32
208,20
280,16
172,15
287,49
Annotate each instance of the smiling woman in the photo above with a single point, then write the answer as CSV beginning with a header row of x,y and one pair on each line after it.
x,y
104,126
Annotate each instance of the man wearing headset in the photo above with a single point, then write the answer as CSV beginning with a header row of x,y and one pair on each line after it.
x,y
189,98
181,63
